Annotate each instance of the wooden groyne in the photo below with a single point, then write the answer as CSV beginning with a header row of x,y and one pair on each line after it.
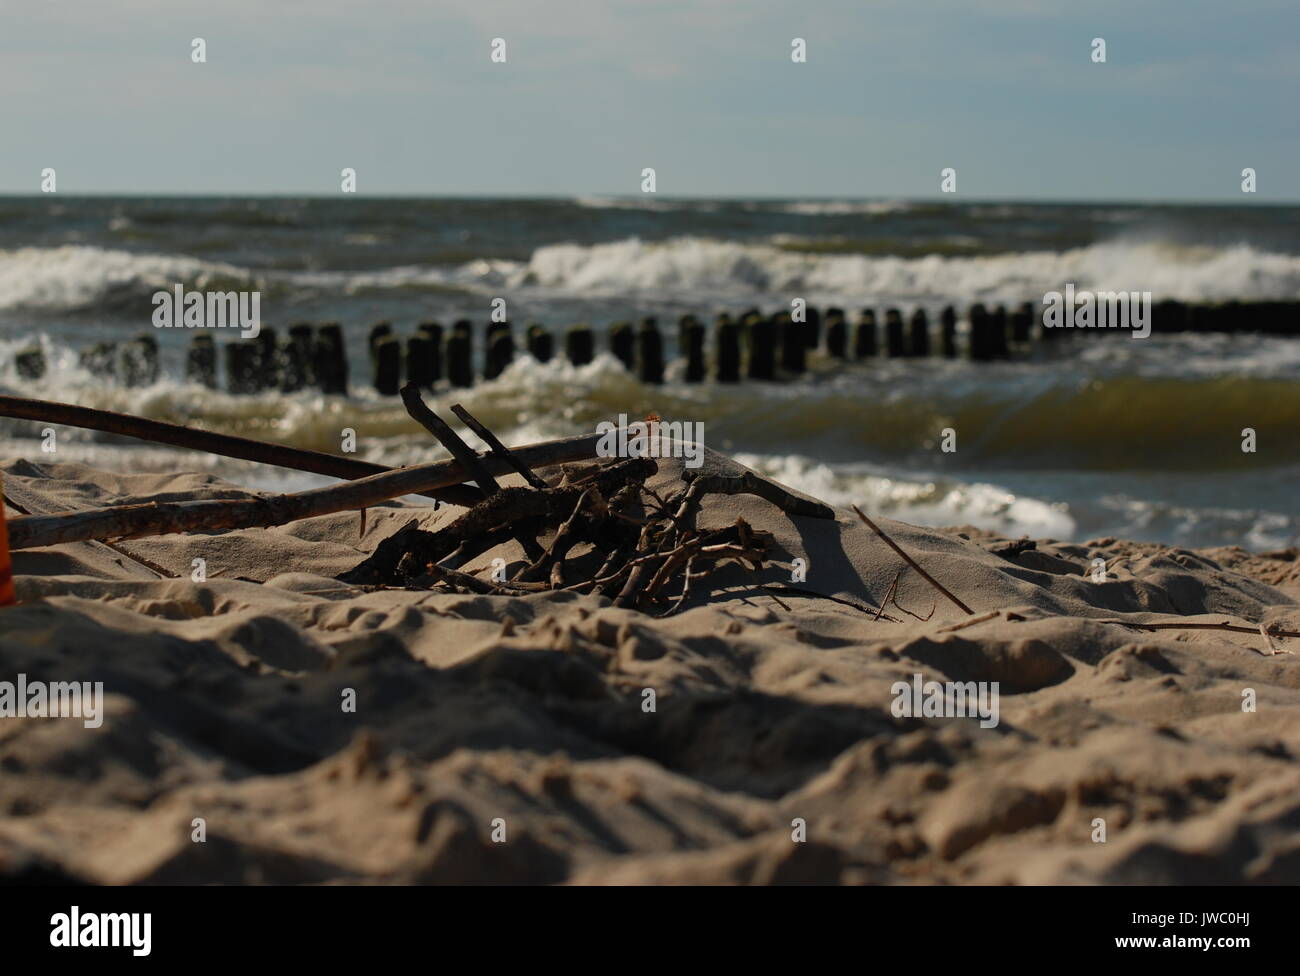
x,y
748,345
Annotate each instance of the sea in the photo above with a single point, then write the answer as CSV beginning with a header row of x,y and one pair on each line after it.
x,y
1096,435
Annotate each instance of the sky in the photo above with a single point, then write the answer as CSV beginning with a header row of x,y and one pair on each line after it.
x,y
705,92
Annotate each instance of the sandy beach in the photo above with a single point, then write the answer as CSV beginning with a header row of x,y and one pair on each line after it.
x,y
509,738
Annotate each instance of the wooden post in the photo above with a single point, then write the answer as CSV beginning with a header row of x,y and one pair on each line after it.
x,y
684,322
794,343
693,346
811,327
762,348
330,359
622,343
267,358
201,361
386,361
30,362
948,323
1040,326
101,360
979,333
650,350
893,333
419,359
919,334
1198,318
1022,324
1169,316
837,336
998,333
1269,317
541,346
139,361
579,346
500,350
726,360
459,354
241,366
297,372
864,335
425,358
1290,314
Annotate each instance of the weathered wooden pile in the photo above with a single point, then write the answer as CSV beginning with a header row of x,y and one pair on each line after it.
x,y
750,345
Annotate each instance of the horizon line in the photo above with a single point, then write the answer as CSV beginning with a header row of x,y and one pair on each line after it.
x,y
682,198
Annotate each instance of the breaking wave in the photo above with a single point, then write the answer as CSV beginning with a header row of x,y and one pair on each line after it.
x,y
688,268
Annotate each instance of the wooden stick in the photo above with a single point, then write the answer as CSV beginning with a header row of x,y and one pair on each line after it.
x,y
225,445
449,439
31,507
495,445
1225,625
136,521
910,561
471,583
1234,628
796,591
463,453
749,483
888,593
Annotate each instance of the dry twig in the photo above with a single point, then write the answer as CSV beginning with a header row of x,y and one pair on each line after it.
x,y
910,561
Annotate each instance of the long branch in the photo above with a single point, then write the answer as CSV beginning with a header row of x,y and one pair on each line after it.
x,y
217,515
226,445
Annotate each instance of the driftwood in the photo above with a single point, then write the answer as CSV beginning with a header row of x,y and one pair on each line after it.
x,y
490,439
409,552
449,439
225,445
648,551
646,546
154,518
462,452
911,562
749,483
21,501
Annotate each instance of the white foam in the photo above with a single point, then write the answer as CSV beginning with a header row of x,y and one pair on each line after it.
x,y
693,269
73,276
704,269
935,502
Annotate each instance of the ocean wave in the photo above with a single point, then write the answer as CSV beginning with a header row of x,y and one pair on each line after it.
x,y
695,269
939,501
73,277
1039,451
703,267
1048,415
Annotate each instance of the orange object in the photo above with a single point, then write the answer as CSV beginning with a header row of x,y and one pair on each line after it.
x,y
6,564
